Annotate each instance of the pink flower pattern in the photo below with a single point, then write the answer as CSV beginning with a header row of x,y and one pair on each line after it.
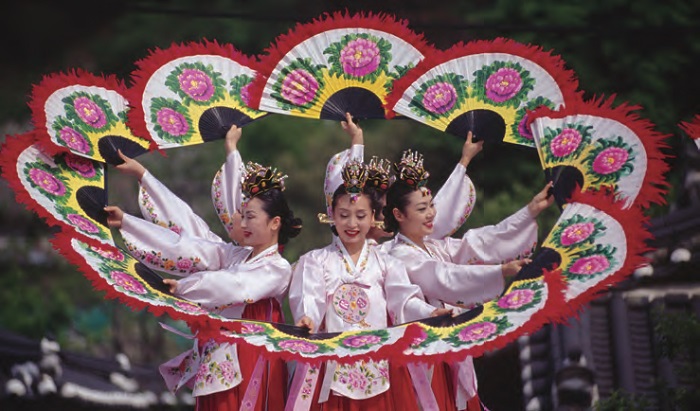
x,y
298,346
108,254
361,340
610,160
576,233
565,142
172,122
47,181
196,84
299,87
440,98
74,140
503,85
89,112
252,328
360,57
81,165
475,332
189,307
516,299
127,282
590,265
82,223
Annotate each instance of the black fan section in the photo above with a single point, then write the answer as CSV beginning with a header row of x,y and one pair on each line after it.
x,y
484,124
216,121
92,200
151,278
545,259
109,146
361,103
567,179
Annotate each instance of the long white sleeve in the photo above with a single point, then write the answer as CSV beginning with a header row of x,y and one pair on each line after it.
x,y
405,301
161,206
454,203
164,250
226,192
307,290
334,169
514,237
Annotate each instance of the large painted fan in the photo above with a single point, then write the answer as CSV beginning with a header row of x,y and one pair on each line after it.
x,y
592,145
486,87
692,128
66,189
191,93
86,115
336,64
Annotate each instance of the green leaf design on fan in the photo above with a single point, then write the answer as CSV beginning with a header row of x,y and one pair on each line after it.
x,y
521,134
610,160
483,330
196,84
298,85
90,112
565,143
503,83
519,298
171,120
577,231
440,96
360,55
592,262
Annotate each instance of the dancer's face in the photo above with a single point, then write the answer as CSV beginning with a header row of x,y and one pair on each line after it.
x,y
257,227
236,232
416,221
352,219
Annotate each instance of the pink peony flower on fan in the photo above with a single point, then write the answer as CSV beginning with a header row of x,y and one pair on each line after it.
x,y
89,112
503,85
475,332
576,233
299,87
196,84
298,346
82,223
245,94
252,328
127,282
74,140
565,142
440,98
172,122
361,340
523,130
590,265
189,307
516,299
81,165
47,182
610,160
360,57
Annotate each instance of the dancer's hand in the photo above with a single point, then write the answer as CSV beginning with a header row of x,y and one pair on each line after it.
x,y
172,285
306,322
470,149
510,269
233,136
130,166
540,201
115,215
441,311
353,130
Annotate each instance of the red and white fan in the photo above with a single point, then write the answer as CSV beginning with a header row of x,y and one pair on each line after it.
x,y
191,93
692,129
336,64
486,87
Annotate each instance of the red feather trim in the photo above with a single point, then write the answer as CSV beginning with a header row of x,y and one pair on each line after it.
x,y
284,43
654,186
156,59
637,237
691,128
554,65
53,82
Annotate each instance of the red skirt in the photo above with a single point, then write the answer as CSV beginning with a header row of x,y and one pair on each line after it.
x,y
273,391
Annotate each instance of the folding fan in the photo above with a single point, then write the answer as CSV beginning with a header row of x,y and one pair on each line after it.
x,y
486,87
594,146
336,64
191,93
66,189
86,115
692,129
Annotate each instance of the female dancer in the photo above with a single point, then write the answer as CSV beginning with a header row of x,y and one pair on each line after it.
x,y
236,281
350,266
452,272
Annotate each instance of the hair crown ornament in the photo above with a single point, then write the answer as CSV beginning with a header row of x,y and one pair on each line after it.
x,y
379,174
410,169
354,178
259,179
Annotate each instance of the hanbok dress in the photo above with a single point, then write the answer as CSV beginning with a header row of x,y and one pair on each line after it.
x,y
220,277
338,294
459,273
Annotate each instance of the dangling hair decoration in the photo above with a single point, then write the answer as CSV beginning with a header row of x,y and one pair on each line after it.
x,y
354,179
379,174
410,171
259,179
